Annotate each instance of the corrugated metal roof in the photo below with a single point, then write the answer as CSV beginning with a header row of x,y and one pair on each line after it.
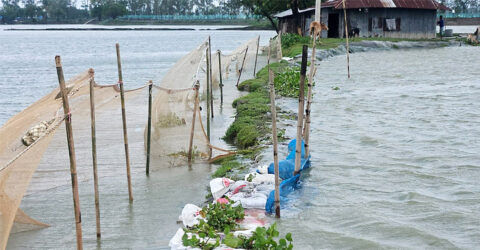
x,y
406,4
289,12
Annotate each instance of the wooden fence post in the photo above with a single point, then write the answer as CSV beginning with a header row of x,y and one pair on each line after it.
x,y
346,36
256,58
211,75
94,151
243,64
220,75
149,125
208,96
195,108
301,106
273,111
124,121
71,152
306,128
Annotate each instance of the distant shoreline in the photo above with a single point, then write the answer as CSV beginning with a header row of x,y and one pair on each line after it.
x,y
135,29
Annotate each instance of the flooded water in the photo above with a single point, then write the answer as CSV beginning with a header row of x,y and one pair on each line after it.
x,y
394,150
395,153
28,73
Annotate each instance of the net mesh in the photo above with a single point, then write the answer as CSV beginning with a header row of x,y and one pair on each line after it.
x,y
43,165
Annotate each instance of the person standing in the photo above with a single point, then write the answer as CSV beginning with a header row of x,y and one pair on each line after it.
x,y
441,23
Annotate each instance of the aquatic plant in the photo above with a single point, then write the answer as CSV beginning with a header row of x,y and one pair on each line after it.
x,y
287,83
262,238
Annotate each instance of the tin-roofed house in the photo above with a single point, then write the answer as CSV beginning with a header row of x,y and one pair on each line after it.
x,y
371,18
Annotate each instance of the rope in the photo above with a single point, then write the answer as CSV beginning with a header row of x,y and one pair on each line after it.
x,y
206,137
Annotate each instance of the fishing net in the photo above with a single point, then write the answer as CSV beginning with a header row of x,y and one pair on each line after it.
x,y
242,58
33,145
276,48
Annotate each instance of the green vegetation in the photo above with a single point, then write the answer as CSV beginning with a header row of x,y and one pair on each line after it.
x,y
287,83
262,238
227,168
251,120
222,218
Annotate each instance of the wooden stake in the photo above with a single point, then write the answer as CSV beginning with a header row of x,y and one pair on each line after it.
x,y
208,96
346,36
211,75
190,147
301,106
243,64
274,138
71,152
256,58
306,128
149,125
220,75
94,151
124,120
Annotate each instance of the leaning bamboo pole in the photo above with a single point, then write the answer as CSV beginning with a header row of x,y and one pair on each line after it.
x,y
220,75
210,72
124,121
208,95
149,126
94,152
195,107
243,64
256,58
274,137
346,36
301,106
306,127
71,151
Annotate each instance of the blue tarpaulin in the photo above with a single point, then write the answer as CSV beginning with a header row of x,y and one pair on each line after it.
x,y
286,168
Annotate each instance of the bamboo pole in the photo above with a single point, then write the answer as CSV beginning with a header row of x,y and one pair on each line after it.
x,y
306,127
208,96
220,75
190,147
346,36
149,125
243,64
124,121
211,75
274,137
256,58
94,152
318,9
71,152
301,106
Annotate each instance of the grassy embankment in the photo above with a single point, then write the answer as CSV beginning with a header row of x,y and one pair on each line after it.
x,y
251,129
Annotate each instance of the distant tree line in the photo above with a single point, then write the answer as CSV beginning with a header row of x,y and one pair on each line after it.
x,y
61,10
69,11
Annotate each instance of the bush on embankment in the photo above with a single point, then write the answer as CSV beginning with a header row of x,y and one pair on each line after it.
x,y
250,123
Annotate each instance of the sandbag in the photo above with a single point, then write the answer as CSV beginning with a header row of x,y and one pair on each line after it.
x,y
190,215
252,200
219,187
258,179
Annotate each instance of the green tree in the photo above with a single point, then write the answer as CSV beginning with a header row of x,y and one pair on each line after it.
x,y
269,8
114,9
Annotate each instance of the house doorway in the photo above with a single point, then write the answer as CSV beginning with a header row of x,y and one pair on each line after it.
x,y
333,22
